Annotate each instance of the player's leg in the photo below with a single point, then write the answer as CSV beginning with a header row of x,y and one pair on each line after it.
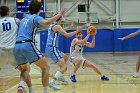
x,y
3,58
65,57
136,74
24,76
23,53
94,68
59,74
77,63
56,56
45,72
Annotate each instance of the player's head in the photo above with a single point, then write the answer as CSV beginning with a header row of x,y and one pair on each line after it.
x,y
79,35
34,7
4,11
59,19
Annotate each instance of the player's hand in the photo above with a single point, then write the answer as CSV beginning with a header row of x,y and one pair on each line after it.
x,y
62,12
72,24
121,38
79,28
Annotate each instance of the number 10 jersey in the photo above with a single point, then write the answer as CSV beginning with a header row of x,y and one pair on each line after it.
x,y
8,32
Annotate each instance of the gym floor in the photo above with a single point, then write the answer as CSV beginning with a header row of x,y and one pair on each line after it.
x,y
119,67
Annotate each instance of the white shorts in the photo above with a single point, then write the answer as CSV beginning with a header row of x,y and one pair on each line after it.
x,y
7,57
72,58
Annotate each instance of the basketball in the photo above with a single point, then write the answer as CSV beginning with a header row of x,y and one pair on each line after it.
x,y
91,30
39,0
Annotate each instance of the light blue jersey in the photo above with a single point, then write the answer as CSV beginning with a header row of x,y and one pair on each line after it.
x,y
52,44
25,50
28,27
52,36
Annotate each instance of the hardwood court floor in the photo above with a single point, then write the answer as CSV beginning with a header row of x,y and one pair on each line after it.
x,y
118,67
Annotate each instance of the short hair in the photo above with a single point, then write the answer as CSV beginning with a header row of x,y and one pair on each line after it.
x,y
4,11
34,6
58,18
80,32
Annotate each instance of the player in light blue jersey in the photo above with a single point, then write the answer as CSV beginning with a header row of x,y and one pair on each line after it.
x,y
55,54
25,50
136,74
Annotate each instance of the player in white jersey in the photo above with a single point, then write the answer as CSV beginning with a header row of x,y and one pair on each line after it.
x,y
77,58
8,33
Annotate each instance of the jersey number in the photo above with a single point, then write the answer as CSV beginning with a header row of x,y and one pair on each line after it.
x,y
6,26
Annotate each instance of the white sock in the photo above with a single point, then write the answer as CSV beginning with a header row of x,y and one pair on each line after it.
x,y
21,83
58,74
102,75
45,90
53,80
30,89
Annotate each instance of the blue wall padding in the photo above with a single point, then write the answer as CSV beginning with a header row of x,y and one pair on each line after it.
x,y
131,44
106,41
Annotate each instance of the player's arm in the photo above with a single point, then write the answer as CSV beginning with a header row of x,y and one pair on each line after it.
x,y
63,32
130,35
53,19
74,41
17,21
83,42
71,25
92,44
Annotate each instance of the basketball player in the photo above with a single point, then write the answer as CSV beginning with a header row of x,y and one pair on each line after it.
x,y
76,57
8,33
25,50
136,74
54,53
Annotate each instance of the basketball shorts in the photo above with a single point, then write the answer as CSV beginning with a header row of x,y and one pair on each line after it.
x,y
54,53
26,52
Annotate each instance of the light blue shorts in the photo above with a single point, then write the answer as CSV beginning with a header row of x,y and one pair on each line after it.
x,y
26,53
54,53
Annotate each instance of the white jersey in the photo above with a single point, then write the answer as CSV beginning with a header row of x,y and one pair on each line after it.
x,y
8,32
76,50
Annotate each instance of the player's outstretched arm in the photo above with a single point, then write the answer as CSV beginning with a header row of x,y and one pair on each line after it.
x,y
129,36
53,19
63,32
71,25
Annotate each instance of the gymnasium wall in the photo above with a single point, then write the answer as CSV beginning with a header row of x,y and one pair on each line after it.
x,y
106,41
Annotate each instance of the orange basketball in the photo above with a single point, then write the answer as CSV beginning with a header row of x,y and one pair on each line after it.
x,y
39,0
92,30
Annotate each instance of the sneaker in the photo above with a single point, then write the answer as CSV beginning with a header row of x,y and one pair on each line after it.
x,y
62,79
53,86
73,78
20,89
135,75
104,78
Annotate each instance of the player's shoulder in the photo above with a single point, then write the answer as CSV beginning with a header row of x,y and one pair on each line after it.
x,y
57,26
75,39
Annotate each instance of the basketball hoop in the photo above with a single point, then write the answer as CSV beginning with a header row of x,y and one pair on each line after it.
x,y
88,21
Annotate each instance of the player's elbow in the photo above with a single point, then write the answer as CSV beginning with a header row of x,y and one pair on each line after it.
x,y
66,35
92,45
48,23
